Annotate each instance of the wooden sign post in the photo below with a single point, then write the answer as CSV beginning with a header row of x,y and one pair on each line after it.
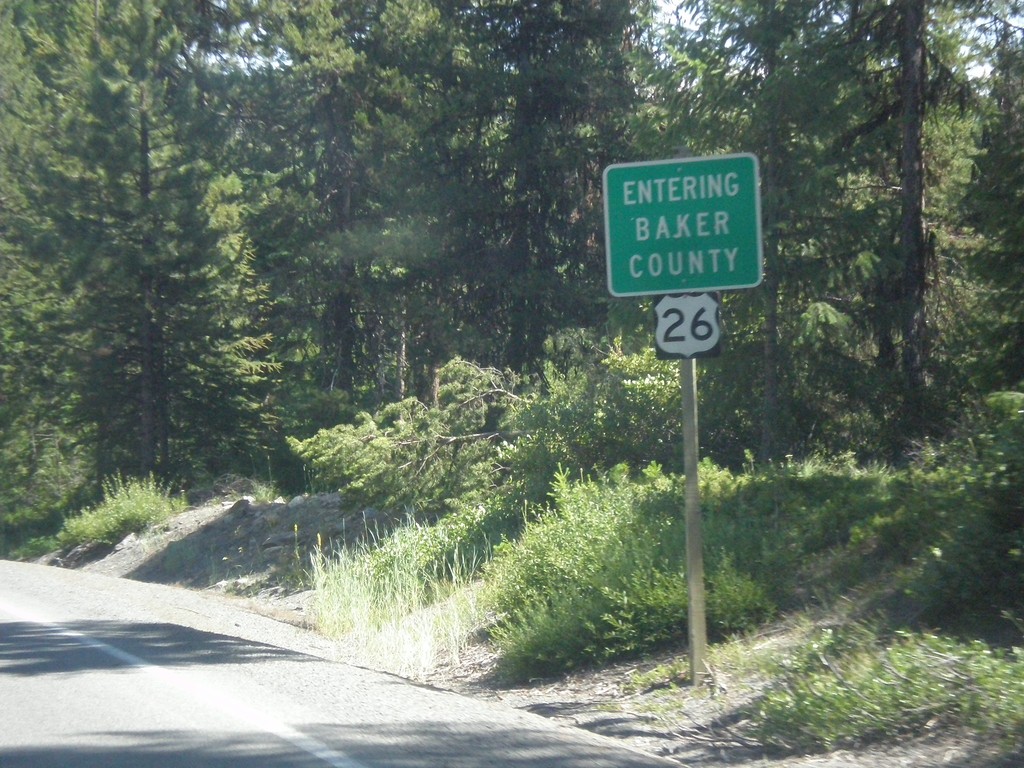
x,y
697,623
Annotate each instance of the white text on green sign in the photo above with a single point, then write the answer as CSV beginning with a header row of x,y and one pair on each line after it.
x,y
683,225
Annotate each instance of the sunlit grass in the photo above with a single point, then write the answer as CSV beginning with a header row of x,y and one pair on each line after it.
x,y
393,615
808,686
849,688
128,506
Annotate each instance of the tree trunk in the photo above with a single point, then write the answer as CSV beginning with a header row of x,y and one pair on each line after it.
x,y
401,355
147,386
772,212
154,428
147,332
913,246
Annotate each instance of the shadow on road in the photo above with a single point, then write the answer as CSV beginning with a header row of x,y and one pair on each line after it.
x,y
443,744
163,749
434,745
35,649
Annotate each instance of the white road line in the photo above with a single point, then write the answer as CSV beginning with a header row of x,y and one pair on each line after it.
x,y
250,716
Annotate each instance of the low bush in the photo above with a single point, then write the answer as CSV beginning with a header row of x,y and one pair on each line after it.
x,y
128,506
775,521
588,528
45,477
601,575
578,586
411,457
626,409
974,566
849,689
736,601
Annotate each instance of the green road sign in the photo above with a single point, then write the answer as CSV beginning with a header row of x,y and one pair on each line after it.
x,y
683,225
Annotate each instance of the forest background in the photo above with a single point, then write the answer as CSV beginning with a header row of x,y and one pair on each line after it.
x,y
358,246
227,224
236,237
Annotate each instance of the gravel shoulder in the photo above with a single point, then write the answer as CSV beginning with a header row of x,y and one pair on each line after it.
x,y
254,555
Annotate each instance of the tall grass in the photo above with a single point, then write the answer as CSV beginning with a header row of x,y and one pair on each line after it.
x,y
395,615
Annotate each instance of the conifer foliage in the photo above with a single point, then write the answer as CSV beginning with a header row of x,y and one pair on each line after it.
x,y
143,231
227,226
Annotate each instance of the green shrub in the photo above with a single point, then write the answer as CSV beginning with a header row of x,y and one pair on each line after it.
x,y
128,506
588,529
601,576
588,580
736,602
36,548
413,457
975,562
624,410
45,475
631,614
647,608
847,690
778,523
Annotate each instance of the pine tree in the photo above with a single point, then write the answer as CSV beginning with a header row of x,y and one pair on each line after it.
x,y
997,207
145,233
760,77
41,468
816,92
340,229
537,103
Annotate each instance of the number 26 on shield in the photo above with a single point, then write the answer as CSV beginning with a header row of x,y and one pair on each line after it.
x,y
688,325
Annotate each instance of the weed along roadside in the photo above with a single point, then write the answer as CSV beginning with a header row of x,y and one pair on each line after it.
x,y
837,635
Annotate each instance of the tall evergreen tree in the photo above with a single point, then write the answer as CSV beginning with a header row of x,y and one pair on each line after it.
x,y
40,468
760,77
538,103
816,91
920,91
998,210
145,233
341,230
912,237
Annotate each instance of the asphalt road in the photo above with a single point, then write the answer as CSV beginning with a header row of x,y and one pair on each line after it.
x,y
108,673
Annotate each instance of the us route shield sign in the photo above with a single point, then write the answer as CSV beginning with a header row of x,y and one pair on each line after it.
x,y
682,226
687,326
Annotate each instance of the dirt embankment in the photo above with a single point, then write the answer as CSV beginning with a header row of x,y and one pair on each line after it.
x,y
236,546
259,553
